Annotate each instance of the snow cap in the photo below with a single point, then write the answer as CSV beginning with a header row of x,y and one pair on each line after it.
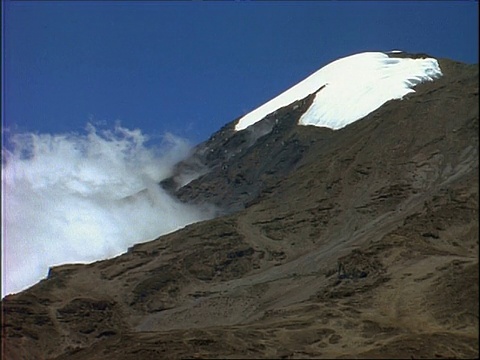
x,y
350,89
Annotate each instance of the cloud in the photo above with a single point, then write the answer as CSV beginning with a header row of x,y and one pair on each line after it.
x,y
70,198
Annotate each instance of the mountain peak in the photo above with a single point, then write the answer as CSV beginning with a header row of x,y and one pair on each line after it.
x,y
359,243
350,88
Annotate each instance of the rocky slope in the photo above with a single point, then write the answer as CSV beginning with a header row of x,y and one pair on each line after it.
x,y
360,242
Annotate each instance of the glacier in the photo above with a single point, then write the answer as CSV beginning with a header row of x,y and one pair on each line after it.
x,y
350,88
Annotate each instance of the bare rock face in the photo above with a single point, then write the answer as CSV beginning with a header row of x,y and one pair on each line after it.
x,y
235,167
355,243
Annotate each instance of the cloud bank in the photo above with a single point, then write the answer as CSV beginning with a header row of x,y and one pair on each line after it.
x,y
71,198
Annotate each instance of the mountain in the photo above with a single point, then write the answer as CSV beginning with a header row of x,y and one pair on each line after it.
x,y
358,242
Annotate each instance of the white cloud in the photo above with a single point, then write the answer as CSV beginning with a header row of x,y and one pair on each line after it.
x,y
72,198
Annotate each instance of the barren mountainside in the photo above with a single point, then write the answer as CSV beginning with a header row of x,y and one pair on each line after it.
x,y
355,243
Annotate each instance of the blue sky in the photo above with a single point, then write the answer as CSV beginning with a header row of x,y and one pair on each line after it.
x,y
191,67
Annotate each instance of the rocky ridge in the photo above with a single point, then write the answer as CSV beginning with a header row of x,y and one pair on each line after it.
x,y
360,242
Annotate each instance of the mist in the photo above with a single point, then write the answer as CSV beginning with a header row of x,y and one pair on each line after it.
x,y
78,198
